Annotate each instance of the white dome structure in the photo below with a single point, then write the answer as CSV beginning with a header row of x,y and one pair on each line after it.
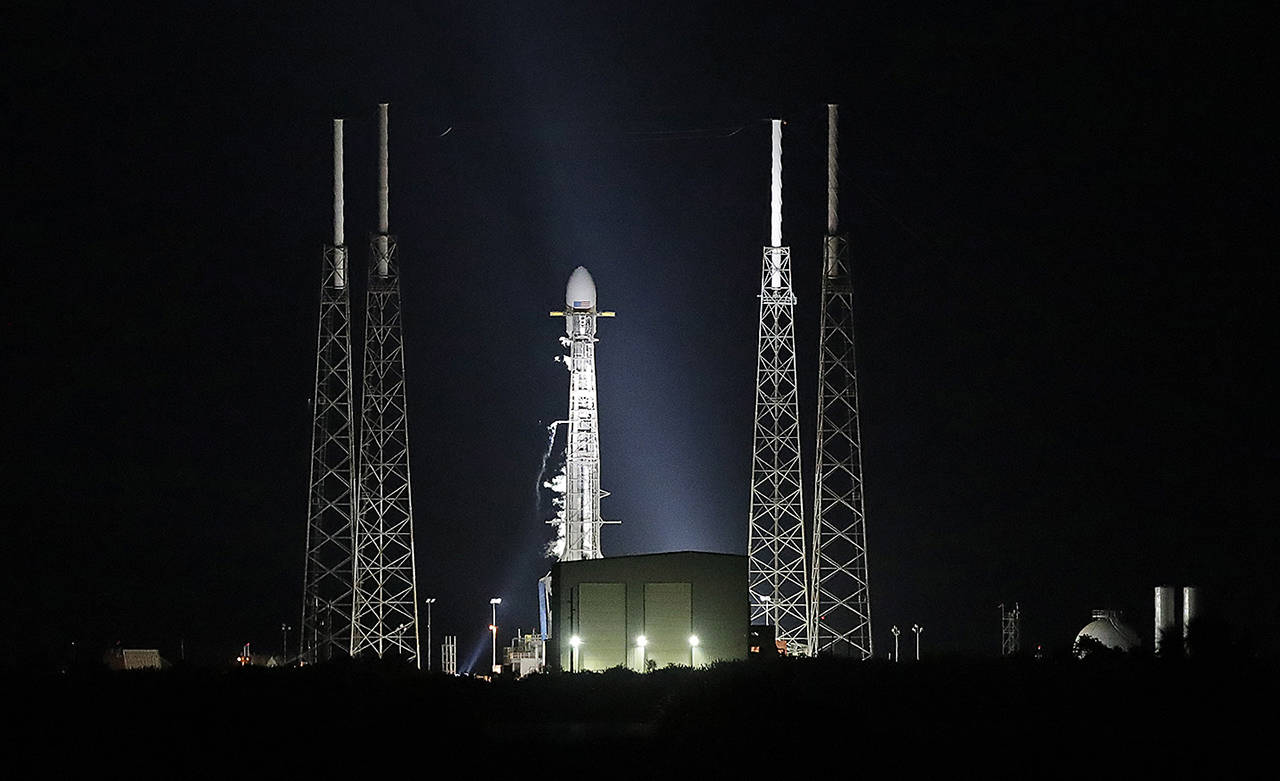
x,y
1107,629
580,293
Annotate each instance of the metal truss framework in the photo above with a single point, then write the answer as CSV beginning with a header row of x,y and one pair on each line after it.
x,y
775,536
1010,630
327,574
841,619
386,605
449,655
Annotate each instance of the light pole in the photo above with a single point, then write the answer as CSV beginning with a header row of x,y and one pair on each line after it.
x,y
896,632
917,629
767,601
694,642
284,642
574,641
400,635
641,642
429,601
493,630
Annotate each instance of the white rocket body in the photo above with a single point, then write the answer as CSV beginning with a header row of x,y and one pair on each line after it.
x,y
582,457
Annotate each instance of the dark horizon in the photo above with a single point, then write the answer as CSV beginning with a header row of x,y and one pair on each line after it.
x,y
1061,273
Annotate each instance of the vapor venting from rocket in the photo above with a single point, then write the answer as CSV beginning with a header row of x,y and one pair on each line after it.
x,y
567,360
556,484
546,456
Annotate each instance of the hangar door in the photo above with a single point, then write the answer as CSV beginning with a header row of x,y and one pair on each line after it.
x,y
602,625
668,622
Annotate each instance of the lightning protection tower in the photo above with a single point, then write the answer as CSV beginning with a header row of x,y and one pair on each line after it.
x,y
327,578
386,600
841,618
775,531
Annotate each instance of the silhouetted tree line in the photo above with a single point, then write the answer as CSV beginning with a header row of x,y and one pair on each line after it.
x,y
935,714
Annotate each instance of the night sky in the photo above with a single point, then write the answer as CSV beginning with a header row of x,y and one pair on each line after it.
x,y
1065,296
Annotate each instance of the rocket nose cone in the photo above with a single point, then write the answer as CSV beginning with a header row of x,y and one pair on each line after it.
x,y
580,293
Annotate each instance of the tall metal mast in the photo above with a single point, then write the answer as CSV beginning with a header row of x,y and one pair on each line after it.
x,y
327,578
386,600
841,621
775,532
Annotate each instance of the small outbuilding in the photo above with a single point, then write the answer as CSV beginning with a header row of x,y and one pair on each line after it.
x,y
644,612
134,659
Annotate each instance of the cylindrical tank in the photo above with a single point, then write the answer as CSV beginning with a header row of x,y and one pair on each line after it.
x,y
1190,613
1166,619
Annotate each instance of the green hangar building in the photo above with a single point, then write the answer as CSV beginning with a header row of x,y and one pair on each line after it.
x,y
648,611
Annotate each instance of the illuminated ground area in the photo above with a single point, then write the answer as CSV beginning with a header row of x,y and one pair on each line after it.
x,y
1044,717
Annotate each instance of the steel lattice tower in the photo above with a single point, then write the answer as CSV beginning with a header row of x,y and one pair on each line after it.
x,y
386,602
841,621
775,535
327,575
1010,630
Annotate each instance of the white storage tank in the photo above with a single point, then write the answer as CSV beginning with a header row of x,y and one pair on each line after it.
x,y
1190,613
1166,628
1107,629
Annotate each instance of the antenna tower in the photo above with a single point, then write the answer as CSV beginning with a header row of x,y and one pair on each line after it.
x,y
327,576
1010,630
775,532
386,601
841,619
